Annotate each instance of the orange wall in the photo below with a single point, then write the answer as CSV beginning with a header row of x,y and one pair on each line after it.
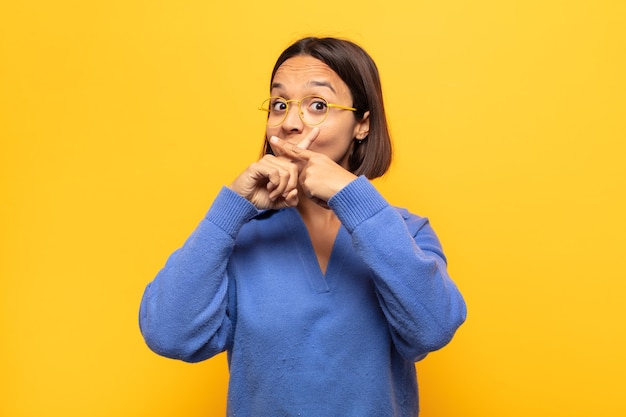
x,y
120,120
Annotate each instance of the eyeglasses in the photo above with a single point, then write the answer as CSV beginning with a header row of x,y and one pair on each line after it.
x,y
312,110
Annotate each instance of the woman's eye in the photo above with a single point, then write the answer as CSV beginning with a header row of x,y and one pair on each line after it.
x,y
318,105
278,106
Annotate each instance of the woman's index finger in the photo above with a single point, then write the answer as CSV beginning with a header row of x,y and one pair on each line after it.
x,y
307,141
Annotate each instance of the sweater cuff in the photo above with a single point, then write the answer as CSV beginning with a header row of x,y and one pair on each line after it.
x,y
357,202
230,211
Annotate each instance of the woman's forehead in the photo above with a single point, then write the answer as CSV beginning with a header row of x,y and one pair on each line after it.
x,y
304,63
307,71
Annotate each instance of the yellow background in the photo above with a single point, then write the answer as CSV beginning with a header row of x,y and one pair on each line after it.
x,y
120,120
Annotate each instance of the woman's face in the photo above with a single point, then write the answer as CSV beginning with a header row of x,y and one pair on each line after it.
x,y
303,76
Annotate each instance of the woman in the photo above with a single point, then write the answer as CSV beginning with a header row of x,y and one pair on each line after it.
x,y
322,293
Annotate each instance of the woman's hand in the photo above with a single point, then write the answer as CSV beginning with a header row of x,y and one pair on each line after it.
x,y
270,183
319,176
273,181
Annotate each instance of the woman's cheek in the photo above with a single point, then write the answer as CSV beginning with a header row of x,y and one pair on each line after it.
x,y
269,132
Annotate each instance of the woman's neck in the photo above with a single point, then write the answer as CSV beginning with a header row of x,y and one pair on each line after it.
x,y
322,225
313,212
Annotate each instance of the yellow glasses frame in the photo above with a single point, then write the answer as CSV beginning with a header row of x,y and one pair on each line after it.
x,y
300,113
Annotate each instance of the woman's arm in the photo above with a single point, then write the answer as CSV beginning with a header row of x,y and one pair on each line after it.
x,y
183,312
421,303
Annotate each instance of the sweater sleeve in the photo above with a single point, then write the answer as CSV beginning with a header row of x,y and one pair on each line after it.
x,y
183,313
422,305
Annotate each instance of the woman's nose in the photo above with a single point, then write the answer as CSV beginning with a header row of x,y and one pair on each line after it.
x,y
293,121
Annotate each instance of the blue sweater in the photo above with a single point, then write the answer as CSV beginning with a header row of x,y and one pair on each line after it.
x,y
299,342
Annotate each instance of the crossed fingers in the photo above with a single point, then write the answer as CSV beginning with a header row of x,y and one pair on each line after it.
x,y
294,151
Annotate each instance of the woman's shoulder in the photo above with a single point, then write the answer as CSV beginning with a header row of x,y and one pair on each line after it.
x,y
422,231
413,221
269,219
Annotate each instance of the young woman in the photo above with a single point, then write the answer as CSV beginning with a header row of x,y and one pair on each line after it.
x,y
322,293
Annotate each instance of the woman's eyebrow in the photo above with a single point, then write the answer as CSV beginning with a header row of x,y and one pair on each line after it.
x,y
276,85
321,84
309,84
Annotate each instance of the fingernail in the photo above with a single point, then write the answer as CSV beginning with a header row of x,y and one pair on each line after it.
x,y
274,139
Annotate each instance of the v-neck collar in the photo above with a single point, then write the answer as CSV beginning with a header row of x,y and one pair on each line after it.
x,y
320,281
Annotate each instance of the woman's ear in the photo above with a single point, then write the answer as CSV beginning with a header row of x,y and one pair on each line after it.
x,y
362,128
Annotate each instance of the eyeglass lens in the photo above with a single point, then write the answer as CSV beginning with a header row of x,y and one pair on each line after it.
x,y
312,109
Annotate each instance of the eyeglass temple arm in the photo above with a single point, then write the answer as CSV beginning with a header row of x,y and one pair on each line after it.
x,y
339,106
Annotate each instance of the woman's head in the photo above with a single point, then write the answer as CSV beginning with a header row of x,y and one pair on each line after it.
x,y
371,155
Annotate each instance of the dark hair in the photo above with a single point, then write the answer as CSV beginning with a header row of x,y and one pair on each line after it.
x,y
372,156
